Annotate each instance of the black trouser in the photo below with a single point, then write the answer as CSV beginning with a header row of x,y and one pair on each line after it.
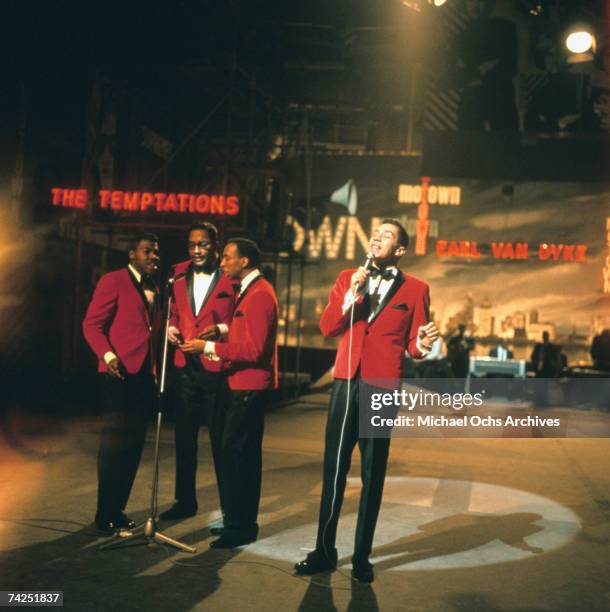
x,y
127,406
341,437
241,470
199,393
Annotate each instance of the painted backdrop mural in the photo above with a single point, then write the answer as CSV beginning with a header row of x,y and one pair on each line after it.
x,y
509,260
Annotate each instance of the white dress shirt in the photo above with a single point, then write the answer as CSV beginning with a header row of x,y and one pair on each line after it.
x,y
201,285
377,285
248,280
149,293
436,350
380,286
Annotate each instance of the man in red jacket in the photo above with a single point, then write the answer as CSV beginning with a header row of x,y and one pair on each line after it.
x,y
390,315
251,351
121,327
203,297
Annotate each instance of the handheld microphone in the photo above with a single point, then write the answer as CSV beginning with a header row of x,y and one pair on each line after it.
x,y
367,266
172,279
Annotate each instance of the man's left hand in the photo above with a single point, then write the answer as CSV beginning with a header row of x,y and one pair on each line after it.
x,y
427,334
193,347
211,332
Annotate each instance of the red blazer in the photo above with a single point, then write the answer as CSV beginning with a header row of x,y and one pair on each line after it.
x,y
217,308
378,347
117,320
251,346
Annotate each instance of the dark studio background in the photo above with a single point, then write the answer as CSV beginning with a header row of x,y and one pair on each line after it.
x,y
261,99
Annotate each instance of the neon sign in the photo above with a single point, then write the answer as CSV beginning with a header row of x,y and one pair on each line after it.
x,y
327,243
423,195
511,250
443,195
144,201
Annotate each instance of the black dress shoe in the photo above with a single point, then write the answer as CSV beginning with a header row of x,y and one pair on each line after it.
x,y
105,526
119,522
122,521
362,571
179,510
230,541
317,562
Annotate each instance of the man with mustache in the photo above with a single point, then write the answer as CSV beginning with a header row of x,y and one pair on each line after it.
x,y
202,306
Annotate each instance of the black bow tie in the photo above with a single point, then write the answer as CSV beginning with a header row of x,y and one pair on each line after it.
x,y
203,270
386,274
147,282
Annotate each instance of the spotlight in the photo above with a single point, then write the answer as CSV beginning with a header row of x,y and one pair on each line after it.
x,y
417,5
580,41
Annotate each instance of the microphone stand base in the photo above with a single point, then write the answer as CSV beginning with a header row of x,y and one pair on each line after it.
x,y
144,534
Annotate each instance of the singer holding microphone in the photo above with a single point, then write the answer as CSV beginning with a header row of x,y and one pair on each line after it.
x,y
388,312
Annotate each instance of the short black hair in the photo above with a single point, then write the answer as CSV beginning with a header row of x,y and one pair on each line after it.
x,y
247,248
135,240
206,226
403,237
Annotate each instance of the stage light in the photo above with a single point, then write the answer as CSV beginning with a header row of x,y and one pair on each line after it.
x,y
580,41
534,8
417,5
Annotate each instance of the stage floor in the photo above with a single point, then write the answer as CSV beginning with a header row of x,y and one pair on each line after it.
x,y
466,524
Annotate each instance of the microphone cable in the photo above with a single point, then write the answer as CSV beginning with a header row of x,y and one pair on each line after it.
x,y
347,400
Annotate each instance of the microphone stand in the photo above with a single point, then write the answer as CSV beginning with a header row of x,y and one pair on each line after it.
x,y
146,533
